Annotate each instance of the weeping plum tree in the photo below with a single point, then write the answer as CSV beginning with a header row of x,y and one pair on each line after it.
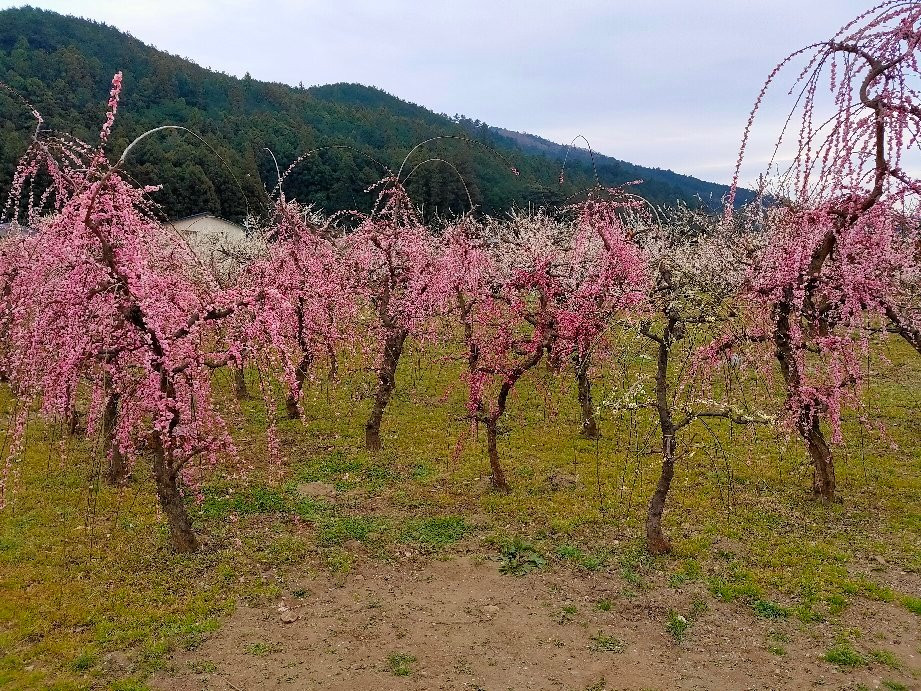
x,y
225,261
842,235
107,300
307,310
14,249
531,288
391,257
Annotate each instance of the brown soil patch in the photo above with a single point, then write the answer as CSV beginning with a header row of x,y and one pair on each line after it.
x,y
469,627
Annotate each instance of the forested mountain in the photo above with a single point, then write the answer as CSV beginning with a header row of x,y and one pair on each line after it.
x,y
63,66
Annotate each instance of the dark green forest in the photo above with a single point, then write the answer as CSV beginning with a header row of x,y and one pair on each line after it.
x,y
63,66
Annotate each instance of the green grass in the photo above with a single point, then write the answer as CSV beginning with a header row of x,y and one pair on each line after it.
x,y
912,604
260,649
576,556
884,657
519,558
86,570
844,655
769,610
436,532
677,625
400,664
602,642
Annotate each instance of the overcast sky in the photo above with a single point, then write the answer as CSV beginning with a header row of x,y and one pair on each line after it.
x,y
666,83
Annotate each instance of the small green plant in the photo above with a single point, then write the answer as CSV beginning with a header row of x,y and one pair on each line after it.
x,y
894,685
913,604
589,562
83,662
601,642
689,571
806,614
631,564
260,649
400,664
769,610
339,529
569,552
202,666
339,561
844,655
739,585
677,625
604,605
566,613
836,603
519,558
698,607
884,657
436,532
874,591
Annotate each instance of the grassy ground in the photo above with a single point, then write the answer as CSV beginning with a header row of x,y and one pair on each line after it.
x,y
90,594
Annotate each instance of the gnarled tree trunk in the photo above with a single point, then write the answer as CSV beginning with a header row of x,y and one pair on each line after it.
x,y
589,422
823,478
300,376
656,541
180,525
117,469
386,383
809,419
497,476
239,383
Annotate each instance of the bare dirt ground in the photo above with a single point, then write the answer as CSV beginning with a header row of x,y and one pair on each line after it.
x,y
460,624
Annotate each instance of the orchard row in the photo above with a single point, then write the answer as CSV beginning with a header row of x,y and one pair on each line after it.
x,y
105,307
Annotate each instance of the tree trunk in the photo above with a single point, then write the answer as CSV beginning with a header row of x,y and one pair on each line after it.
x,y
291,402
492,420
903,326
300,376
333,362
656,542
239,383
180,526
117,469
73,422
386,382
823,477
809,419
589,423
497,477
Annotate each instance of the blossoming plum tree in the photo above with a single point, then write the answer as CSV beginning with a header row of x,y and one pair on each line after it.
x,y
532,288
698,268
843,230
305,310
108,298
390,258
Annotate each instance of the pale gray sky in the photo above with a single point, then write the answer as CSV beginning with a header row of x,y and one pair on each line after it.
x,y
666,83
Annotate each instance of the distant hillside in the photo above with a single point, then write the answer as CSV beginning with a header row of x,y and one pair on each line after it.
x,y
671,184
63,66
